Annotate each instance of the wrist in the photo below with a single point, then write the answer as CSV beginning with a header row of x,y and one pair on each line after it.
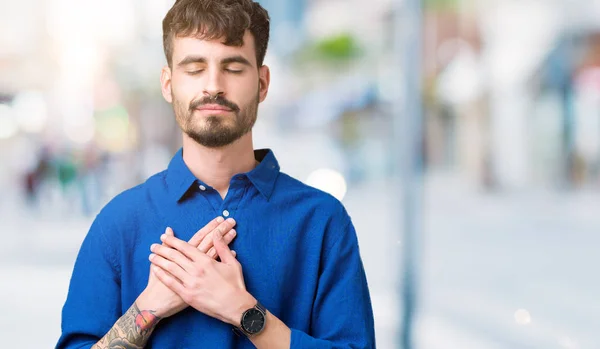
x,y
145,301
245,302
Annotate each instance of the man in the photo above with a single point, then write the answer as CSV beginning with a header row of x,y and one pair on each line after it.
x,y
296,281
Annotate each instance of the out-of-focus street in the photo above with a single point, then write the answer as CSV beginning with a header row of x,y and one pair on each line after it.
x,y
493,105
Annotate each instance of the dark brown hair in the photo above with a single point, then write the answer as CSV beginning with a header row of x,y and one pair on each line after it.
x,y
214,19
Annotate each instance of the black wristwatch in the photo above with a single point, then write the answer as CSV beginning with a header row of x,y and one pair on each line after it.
x,y
253,321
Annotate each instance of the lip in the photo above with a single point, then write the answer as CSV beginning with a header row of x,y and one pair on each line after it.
x,y
213,107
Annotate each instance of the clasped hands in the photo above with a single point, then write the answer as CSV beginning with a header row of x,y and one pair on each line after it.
x,y
186,274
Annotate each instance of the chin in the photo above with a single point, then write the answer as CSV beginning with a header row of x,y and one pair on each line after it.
x,y
202,123
204,128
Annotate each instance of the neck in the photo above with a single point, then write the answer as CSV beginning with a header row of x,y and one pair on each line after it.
x,y
216,166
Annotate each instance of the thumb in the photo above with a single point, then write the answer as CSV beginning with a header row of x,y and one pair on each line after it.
x,y
223,250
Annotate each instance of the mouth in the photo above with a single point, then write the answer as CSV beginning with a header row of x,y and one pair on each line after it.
x,y
214,108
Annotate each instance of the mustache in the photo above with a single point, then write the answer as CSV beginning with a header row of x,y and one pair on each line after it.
x,y
210,100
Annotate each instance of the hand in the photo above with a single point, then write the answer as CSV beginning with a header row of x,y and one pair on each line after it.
x,y
160,298
203,239
214,288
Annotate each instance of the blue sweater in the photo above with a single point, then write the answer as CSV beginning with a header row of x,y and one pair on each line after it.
x,y
296,244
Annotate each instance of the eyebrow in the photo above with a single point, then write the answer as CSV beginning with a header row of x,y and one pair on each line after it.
x,y
228,60
236,59
191,59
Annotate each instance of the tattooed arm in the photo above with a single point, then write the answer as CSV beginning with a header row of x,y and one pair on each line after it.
x,y
131,331
156,302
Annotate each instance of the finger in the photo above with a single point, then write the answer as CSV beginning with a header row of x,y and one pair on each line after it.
x,y
172,254
169,280
212,253
223,228
223,250
153,267
182,247
200,234
169,231
166,265
234,253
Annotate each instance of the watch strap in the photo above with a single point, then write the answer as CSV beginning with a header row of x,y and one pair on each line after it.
x,y
261,308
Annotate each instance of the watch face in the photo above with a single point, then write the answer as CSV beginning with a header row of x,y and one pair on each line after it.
x,y
253,321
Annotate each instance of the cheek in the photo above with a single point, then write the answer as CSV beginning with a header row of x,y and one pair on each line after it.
x,y
183,89
245,92
180,103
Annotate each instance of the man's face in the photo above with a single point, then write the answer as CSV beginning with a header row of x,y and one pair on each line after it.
x,y
215,89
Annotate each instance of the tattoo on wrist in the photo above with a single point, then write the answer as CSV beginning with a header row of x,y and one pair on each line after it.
x,y
145,320
131,331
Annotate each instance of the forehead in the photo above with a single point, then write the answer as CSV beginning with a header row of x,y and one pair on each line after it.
x,y
212,49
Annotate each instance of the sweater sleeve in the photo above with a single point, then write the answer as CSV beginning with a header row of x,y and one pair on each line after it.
x,y
342,315
93,302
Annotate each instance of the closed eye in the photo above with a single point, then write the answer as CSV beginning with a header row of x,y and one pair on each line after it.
x,y
195,72
234,71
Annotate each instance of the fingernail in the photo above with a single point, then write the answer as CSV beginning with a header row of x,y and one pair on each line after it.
x,y
230,220
151,256
220,219
232,232
163,237
152,247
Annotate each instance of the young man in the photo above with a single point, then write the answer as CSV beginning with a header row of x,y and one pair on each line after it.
x,y
296,281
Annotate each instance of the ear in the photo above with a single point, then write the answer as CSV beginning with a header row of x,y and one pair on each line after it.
x,y
264,78
165,83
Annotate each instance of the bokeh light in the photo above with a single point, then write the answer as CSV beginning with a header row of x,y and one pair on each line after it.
x,y
30,111
522,317
329,181
8,124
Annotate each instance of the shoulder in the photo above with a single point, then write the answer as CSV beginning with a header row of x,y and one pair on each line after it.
x,y
131,203
326,216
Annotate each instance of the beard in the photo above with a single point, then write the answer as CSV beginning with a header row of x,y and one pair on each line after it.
x,y
215,131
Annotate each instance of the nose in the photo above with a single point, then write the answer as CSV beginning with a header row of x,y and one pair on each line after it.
x,y
214,84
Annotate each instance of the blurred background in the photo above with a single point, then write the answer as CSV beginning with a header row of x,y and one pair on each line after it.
x,y
507,198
